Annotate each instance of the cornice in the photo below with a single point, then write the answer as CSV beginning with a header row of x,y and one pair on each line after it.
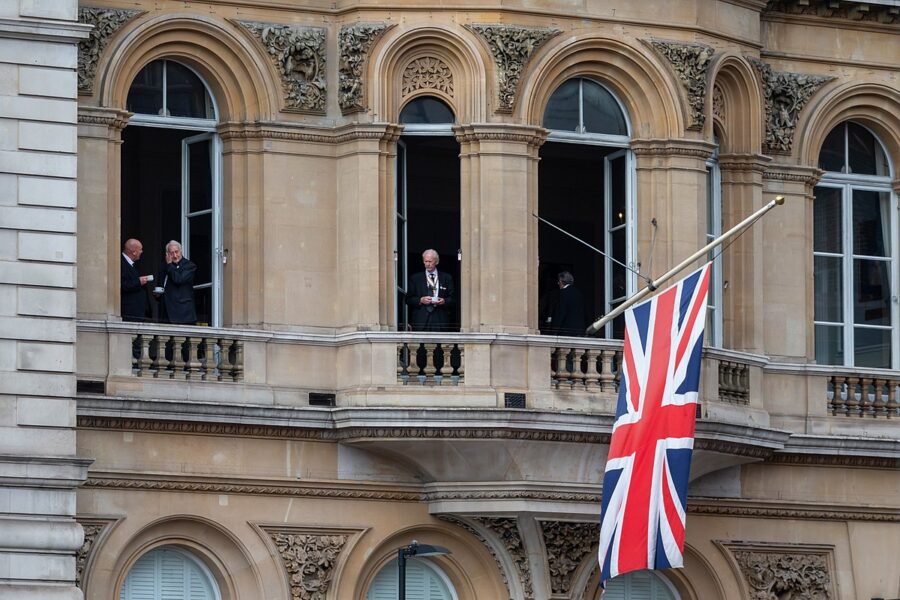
x,y
785,510
833,460
875,16
659,147
339,135
110,117
44,30
487,132
745,162
793,173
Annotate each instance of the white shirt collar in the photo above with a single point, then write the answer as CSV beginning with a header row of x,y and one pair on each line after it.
x,y
128,258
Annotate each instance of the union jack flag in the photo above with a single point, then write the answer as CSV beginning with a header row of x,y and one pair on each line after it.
x,y
646,479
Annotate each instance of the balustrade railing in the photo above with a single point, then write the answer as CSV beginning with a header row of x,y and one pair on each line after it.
x,y
197,358
431,363
863,396
734,382
578,368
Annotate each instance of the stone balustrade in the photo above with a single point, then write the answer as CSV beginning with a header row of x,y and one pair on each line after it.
x,y
188,357
734,382
583,367
431,363
865,396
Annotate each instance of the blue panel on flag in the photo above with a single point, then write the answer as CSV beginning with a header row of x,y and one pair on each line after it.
x,y
662,561
642,318
621,405
680,469
687,291
691,381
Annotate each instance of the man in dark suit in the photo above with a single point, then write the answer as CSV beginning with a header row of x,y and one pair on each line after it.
x,y
177,302
430,296
567,317
134,303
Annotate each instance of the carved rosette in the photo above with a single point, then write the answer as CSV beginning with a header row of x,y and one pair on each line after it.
x,y
427,73
772,575
785,96
567,545
511,47
691,63
354,43
106,22
299,57
309,560
507,529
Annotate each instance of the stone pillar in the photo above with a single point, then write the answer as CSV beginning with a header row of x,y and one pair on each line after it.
x,y
499,234
38,142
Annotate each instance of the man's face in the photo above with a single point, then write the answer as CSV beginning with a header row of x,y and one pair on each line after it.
x,y
174,253
135,251
430,262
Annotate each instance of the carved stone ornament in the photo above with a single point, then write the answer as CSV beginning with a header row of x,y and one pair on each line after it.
x,y
106,22
778,575
718,103
354,43
507,529
511,48
785,96
93,530
427,73
567,545
860,12
490,548
691,63
299,57
309,560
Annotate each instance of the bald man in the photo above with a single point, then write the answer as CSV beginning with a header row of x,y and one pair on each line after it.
x,y
134,298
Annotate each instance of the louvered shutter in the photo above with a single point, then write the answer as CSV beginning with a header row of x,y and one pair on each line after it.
x,y
638,585
165,574
422,583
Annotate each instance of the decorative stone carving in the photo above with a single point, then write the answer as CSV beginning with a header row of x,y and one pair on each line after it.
x,y
427,73
309,560
567,545
832,9
91,531
354,42
490,548
774,575
691,64
511,47
106,22
299,57
507,529
718,103
785,96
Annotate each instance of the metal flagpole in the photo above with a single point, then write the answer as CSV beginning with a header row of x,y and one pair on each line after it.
x,y
653,285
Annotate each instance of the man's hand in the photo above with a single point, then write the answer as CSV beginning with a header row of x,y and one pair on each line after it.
x,y
425,300
168,258
144,279
439,301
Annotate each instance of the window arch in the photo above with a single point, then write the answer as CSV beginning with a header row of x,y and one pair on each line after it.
x,y
169,572
166,88
424,581
584,106
645,585
855,252
426,110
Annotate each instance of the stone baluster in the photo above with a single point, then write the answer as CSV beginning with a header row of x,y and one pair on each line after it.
x,y
892,404
837,402
446,371
160,363
402,363
865,401
569,365
592,376
429,363
461,370
225,365
238,361
607,377
879,406
143,367
192,370
745,384
555,356
851,406
209,359
177,357
578,377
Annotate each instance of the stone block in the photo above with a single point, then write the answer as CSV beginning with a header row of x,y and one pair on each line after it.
x,y
52,137
59,358
40,567
47,247
37,274
35,52
37,329
7,416
44,302
8,300
8,194
49,9
9,134
7,355
37,501
38,384
38,109
38,219
39,163
45,412
55,83
30,440
48,192
8,242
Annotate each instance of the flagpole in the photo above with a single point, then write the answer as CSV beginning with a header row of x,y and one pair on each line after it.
x,y
653,285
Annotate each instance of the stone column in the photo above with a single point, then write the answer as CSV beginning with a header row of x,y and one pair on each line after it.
x,y
499,235
38,142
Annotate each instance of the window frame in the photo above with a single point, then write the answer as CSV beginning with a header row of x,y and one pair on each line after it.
x,y
713,231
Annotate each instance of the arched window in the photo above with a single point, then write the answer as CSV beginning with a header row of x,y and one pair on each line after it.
x,y
855,255
644,585
585,187
168,573
424,581
168,89
426,110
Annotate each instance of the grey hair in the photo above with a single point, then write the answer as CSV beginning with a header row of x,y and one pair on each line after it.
x,y
566,278
174,243
437,257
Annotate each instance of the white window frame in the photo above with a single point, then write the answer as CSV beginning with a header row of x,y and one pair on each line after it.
x,y
713,231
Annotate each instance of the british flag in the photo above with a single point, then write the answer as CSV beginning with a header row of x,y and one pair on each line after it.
x,y
645,485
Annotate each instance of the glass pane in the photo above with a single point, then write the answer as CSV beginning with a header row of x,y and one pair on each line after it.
x,y
201,247
617,189
562,108
426,110
186,95
827,220
828,289
618,271
203,302
865,154
871,223
871,292
831,157
145,94
601,111
872,347
829,345
201,175
401,255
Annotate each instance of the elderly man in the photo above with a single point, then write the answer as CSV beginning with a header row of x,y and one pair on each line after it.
x,y
134,297
430,296
568,316
177,282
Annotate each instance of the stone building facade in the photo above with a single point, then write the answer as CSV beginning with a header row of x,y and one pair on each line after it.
x,y
305,153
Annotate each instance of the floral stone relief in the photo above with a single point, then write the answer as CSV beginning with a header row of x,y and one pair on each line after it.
x,y
354,43
309,560
106,22
567,545
691,63
773,575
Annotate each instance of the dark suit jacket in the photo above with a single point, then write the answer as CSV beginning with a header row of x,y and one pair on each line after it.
x,y
568,314
430,317
134,297
177,302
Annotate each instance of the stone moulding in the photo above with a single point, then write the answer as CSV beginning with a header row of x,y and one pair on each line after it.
x,y
354,43
106,22
484,542
507,531
785,94
691,63
511,47
427,73
95,530
298,54
856,12
567,545
772,571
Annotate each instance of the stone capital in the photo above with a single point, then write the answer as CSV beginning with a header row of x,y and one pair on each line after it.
x,y
113,119
807,175
744,162
530,137
673,147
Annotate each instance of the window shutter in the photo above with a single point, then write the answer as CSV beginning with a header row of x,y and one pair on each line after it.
x,y
165,574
